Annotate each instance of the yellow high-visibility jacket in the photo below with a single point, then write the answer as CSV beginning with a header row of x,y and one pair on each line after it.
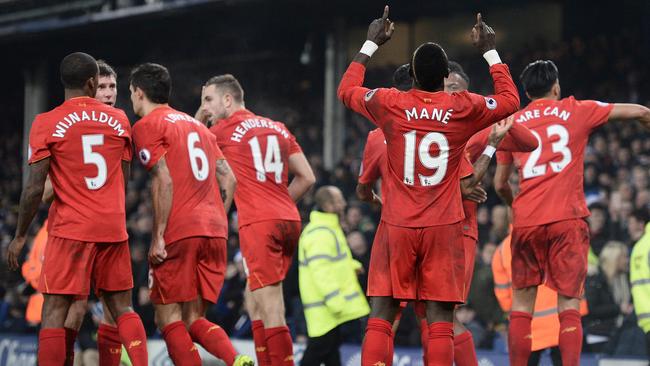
x,y
329,287
640,278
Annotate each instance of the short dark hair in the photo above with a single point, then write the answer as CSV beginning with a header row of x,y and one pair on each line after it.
x,y
105,69
430,66
457,69
641,215
230,83
539,77
154,80
76,68
402,79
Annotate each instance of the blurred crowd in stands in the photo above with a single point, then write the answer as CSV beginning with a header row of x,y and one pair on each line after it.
x,y
616,185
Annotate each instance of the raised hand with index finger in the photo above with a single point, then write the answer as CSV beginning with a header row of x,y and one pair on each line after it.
x,y
381,29
483,36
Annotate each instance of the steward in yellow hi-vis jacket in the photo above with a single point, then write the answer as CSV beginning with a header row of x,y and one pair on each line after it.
x,y
640,279
329,288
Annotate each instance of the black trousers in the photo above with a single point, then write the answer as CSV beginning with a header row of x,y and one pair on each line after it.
x,y
556,357
323,350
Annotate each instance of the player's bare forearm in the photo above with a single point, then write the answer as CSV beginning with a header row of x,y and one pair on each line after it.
x,y
126,173
48,192
227,183
303,178
480,168
501,184
623,111
31,196
162,191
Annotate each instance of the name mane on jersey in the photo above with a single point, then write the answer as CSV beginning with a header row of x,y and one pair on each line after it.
x,y
548,111
251,123
91,116
435,114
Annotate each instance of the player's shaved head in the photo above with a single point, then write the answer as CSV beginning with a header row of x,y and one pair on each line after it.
x,y
154,81
539,77
402,79
429,66
105,69
76,69
228,84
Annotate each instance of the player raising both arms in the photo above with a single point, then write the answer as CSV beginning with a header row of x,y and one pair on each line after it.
x,y
191,188
262,153
515,138
85,146
550,238
426,131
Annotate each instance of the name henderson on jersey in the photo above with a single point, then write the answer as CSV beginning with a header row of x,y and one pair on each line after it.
x,y
72,118
249,124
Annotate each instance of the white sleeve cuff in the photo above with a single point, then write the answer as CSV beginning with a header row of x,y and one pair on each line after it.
x,y
368,48
489,151
492,57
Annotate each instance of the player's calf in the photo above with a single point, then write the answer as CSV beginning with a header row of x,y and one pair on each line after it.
x,y
129,325
52,348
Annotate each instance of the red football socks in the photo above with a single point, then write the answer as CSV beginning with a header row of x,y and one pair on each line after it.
x,y
261,349
570,337
70,337
464,352
519,338
424,339
109,345
180,347
51,347
133,337
440,351
280,346
214,339
376,344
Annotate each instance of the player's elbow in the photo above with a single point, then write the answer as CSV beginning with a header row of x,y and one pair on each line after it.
x,y
309,178
364,192
502,188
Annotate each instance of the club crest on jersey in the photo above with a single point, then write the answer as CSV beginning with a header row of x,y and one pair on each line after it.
x,y
145,156
490,103
369,94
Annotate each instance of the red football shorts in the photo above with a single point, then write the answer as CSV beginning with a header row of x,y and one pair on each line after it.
x,y
554,254
268,248
71,266
418,263
469,244
194,267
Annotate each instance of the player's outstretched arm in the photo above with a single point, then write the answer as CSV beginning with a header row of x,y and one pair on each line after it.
x,y
162,195
501,184
30,199
365,193
519,139
624,111
303,176
227,183
350,90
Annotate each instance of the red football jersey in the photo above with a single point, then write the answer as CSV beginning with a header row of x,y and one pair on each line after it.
x,y
86,141
518,138
426,135
373,165
258,151
551,177
191,154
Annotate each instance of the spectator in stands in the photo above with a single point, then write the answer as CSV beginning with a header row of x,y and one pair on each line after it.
x,y
608,297
640,279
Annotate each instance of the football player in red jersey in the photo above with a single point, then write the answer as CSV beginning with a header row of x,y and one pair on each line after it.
x,y
85,147
550,237
192,187
517,138
262,153
108,337
426,131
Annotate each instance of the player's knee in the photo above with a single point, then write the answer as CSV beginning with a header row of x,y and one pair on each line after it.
x,y
567,303
438,311
55,311
383,308
76,314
